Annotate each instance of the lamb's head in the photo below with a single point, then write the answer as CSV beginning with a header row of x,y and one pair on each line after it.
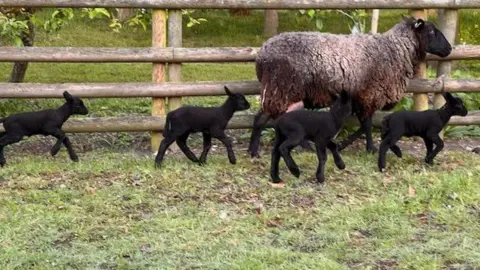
x,y
431,38
342,107
75,103
454,104
238,101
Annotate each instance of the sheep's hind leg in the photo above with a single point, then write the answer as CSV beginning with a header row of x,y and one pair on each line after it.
x,y
322,159
276,159
166,142
220,135
62,138
182,144
365,127
287,146
298,106
396,150
258,125
5,140
207,144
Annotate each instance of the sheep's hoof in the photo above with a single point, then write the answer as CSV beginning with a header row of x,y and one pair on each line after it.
x,y
372,150
74,158
253,154
2,164
295,172
320,180
233,161
201,163
429,162
158,165
340,165
381,169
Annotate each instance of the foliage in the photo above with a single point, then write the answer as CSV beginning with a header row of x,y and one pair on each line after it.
x,y
358,17
12,30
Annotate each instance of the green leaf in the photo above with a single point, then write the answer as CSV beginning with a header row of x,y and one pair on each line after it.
x,y
319,23
311,13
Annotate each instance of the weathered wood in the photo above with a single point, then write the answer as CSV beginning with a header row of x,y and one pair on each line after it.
x,y
374,25
189,89
420,101
270,22
239,121
251,4
170,55
159,39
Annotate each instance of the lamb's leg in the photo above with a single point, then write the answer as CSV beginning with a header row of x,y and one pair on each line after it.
x,y
220,135
332,146
387,143
5,140
298,106
275,159
207,144
396,150
62,138
439,146
182,144
166,142
322,159
68,145
287,146
258,125
429,146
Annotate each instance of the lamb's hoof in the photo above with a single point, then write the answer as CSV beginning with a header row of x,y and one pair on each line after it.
x,y
74,158
372,150
233,161
429,162
476,150
340,165
158,165
380,169
253,154
295,172
320,181
201,163
2,164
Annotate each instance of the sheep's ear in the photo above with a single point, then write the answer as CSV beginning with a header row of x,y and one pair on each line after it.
x,y
227,91
67,96
419,24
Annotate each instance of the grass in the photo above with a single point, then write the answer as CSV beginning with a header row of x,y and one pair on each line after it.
x,y
117,212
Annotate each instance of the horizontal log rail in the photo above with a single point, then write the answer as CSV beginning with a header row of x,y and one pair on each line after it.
x,y
151,123
253,4
169,54
185,89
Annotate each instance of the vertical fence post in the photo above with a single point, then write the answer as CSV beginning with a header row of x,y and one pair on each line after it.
x,y
159,38
447,24
420,101
174,69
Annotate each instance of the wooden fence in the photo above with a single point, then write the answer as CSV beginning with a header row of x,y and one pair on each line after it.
x,y
174,54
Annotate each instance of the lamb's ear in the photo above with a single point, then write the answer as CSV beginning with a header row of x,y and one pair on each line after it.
x,y
419,24
447,96
227,91
67,96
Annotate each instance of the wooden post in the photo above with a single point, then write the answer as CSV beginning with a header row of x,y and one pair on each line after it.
x,y
159,38
420,101
447,24
174,69
375,15
270,22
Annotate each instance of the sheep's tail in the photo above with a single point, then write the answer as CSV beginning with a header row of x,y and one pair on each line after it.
x,y
167,127
385,126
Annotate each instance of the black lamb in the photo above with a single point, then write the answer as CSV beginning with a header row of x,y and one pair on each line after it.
x,y
426,124
210,121
320,127
45,122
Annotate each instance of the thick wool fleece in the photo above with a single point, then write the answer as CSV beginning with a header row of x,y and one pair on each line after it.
x,y
312,66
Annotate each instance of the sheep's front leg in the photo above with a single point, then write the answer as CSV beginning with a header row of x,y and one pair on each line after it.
x,y
439,146
62,138
429,146
166,142
332,146
207,144
258,125
287,146
220,135
322,159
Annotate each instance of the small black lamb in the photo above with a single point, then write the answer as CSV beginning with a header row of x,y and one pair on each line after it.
x,y
45,122
426,124
210,121
320,127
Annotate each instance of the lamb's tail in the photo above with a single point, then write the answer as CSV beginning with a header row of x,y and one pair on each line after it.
x,y
167,127
385,126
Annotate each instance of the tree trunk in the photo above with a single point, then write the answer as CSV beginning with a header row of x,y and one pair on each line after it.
x,y
20,68
270,26
125,14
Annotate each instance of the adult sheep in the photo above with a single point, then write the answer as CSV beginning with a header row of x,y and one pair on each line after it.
x,y
307,69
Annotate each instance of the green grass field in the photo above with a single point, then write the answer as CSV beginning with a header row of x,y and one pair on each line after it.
x,y
113,210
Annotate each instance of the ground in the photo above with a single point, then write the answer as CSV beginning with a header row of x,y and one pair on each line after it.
x,y
114,210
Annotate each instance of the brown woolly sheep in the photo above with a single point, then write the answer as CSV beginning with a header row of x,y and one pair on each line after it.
x,y
306,69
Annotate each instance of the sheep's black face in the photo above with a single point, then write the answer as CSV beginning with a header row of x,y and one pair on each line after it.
x,y
76,104
343,105
436,42
241,103
455,105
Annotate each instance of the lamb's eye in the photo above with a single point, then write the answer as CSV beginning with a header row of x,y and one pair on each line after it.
x,y
431,32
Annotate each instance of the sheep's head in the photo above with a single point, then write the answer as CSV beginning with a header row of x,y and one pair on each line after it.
x,y
76,104
436,43
238,100
455,104
343,104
